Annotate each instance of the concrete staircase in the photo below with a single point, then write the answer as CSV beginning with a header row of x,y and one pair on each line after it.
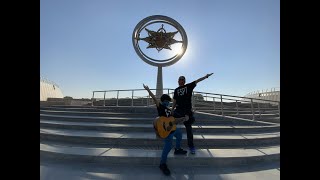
x,y
124,135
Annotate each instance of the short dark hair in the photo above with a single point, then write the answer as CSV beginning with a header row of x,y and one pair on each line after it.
x,y
182,77
165,97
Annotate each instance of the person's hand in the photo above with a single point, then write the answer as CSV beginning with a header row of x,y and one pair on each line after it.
x,y
186,118
146,87
208,75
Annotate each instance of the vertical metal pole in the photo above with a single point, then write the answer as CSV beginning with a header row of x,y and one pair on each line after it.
x,y
159,86
117,98
259,110
237,107
104,99
148,101
221,105
214,104
92,98
252,110
132,99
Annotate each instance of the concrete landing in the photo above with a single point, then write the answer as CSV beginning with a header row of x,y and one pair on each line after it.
x,y
203,157
151,135
79,171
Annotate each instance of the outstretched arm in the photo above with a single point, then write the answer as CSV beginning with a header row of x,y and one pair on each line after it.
x,y
204,77
152,95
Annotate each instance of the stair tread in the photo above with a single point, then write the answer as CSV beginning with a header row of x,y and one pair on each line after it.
x,y
119,152
144,125
151,135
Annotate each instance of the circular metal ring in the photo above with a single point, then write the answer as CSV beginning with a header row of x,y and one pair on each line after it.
x,y
158,19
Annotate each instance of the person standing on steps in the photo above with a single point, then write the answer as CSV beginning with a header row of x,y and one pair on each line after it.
x,y
182,105
165,111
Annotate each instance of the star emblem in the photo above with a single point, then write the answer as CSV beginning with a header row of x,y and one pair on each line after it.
x,y
160,39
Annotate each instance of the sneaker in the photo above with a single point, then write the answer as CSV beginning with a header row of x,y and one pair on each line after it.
x,y
179,151
192,150
165,169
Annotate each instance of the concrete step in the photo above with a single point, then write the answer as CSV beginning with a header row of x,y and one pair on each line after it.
x,y
256,116
121,109
96,114
148,111
271,118
234,112
203,157
68,108
149,108
141,120
148,139
111,137
108,127
112,114
84,171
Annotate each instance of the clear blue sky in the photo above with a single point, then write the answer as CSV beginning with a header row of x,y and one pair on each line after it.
x,y
86,45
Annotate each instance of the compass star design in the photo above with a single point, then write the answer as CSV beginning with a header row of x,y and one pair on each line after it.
x,y
160,39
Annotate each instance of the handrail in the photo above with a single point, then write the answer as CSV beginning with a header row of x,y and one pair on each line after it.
x,y
226,101
243,97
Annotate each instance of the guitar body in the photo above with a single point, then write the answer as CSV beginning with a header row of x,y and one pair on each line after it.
x,y
164,125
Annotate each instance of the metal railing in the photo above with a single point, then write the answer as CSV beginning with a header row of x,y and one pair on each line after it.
x,y
225,105
236,105
266,94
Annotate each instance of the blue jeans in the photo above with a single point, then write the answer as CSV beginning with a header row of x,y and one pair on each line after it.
x,y
168,144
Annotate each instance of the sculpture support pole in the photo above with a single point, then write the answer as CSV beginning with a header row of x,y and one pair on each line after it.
x,y
159,86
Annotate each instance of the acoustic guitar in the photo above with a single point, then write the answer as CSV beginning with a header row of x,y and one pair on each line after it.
x,y
164,125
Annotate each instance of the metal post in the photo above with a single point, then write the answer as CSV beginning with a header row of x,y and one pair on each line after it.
x,y
159,90
104,99
132,99
214,104
92,98
252,110
259,110
148,100
237,107
221,105
117,98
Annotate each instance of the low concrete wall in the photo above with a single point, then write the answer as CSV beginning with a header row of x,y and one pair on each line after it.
x,y
64,101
